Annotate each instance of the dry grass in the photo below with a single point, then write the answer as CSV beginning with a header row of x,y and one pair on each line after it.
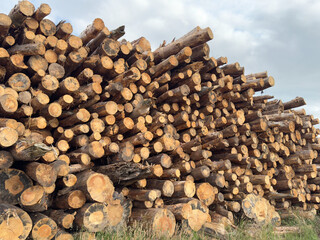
x,y
308,230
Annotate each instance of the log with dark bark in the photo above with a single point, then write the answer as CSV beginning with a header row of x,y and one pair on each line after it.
x,y
14,222
92,217
43,226
13,183
161,221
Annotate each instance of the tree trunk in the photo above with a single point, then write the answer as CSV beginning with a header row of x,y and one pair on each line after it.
x,y
14,222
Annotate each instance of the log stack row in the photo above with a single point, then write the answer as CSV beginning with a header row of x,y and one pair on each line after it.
x,y
97,132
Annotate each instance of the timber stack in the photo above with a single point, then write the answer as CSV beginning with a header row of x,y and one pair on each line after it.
x,y
97,132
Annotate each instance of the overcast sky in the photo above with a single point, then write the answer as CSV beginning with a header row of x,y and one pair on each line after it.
x,y
280,36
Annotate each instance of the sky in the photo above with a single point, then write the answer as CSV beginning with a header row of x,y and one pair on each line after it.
x,y
280,36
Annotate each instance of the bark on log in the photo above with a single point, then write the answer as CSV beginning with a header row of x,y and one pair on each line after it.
x,y
14,222
92,216
34,199
43,226
13,183
161,221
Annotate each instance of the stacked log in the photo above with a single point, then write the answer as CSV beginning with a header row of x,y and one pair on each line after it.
x,y
97,132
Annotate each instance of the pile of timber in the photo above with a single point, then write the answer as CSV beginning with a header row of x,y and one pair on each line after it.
x,y
97,133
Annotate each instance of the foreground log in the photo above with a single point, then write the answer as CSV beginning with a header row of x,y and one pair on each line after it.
x,y
92,216
8,136
72,199
213,229
34,199
63,235
119,211
42,173
13,183
161,221
184,189
96,186
198,215
62,218
205,193
43,227
14,222
6,159
260,210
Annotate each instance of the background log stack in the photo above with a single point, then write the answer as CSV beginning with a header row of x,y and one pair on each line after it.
x,y
97,132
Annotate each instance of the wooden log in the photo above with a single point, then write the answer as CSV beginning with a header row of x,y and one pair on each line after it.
x,y
81,116
19,82
75,59
142,195
6,159
36,64
74,43
142,205
61,168
15,64
200,172
260,210
29,150
70,199
43,226
34,199
184,189
14,222
5,23
92,30
49,85
42,11
29,49
13,183
64,30
118,211
92,217
194,38
198,216
217,165
216,179
67,181
213,229
126,152
42,173
47,27
180,210
297,102
20,12
108,47
122,172
63,235
95,42
161,221
205,193
233,206
166,186
171,173
62,218
224,212
8,42
8,104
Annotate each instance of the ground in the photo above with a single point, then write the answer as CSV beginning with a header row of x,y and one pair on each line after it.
x,y
303,229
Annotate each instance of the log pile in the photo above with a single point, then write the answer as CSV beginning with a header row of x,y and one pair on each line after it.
x,y
97,132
